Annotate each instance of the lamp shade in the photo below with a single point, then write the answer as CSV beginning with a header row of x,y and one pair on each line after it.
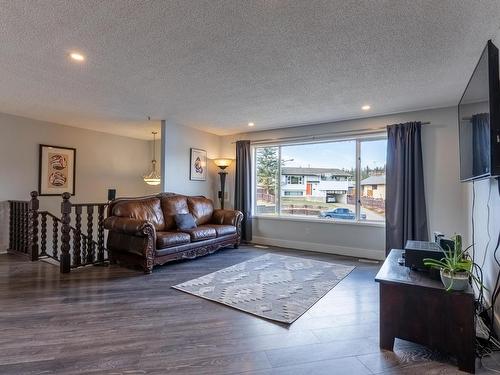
x,y
153,178
222,163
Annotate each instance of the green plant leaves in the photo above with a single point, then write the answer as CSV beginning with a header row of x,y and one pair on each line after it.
x,y
454,261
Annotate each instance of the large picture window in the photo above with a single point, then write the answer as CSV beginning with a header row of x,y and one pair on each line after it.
x,y
334,180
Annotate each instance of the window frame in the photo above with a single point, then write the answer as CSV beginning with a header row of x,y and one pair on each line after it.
x,y
359,139
300,180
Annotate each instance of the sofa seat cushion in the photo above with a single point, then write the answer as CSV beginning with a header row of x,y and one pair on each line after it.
x,y
203,232
169,239
223,230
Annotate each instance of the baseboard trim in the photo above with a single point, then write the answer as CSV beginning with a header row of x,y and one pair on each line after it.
x,y
321,248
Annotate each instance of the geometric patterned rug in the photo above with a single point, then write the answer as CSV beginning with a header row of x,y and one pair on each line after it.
x,y
271,286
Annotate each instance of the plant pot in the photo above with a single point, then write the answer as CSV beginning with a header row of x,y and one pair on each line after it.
x,y
455,281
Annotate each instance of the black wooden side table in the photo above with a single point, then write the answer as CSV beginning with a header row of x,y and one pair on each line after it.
x,y
416,308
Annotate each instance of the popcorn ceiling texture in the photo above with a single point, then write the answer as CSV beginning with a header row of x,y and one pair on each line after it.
x,y
216,65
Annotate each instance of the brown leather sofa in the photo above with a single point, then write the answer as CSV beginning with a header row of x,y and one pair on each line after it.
x,y
142,231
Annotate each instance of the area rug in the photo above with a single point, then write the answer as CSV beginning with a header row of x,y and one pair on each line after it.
x,y
271,286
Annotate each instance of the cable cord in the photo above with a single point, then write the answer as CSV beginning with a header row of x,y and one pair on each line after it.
x,y
487,227
488,368
496,289
488,352
472,219
479,275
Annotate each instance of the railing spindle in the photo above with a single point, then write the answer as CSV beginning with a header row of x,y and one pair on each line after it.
x,y
22,248
11,225
77,237
24,226
21,223
65,262
27,241
100,234
18,226
55,238
84,250
21,227
43,235
14,221
90,234
24,238
14,231
32,230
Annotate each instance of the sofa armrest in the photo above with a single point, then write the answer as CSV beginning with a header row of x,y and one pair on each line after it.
x,y
227,217
136,227
124,233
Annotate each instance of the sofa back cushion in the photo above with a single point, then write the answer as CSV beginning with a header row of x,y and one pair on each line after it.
x,y
141,209
172,205
201,208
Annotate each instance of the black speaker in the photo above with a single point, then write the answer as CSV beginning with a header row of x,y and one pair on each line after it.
x,y
111,194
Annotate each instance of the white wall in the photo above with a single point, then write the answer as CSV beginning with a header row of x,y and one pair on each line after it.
x,y
445,195
103,161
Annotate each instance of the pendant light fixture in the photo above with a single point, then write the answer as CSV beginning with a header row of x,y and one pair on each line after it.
x,y
153,178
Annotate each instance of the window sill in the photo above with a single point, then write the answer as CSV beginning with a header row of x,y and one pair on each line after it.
x,y
318,220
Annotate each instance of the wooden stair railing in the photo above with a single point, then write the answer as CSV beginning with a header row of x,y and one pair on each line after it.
x,y
70,246
18,227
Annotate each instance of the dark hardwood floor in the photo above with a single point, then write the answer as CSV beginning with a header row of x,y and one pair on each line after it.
x,y
111,320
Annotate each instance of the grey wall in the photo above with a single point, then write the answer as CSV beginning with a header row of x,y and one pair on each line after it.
x,y
486,215
445,195
106,161
102,161
486,230
179,140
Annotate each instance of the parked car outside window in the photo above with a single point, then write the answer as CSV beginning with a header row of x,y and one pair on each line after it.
x,y
341,213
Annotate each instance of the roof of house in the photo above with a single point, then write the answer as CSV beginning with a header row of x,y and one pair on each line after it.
x,y
374,180
313,171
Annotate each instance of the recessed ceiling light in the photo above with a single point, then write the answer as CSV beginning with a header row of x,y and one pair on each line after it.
x,y
365,107
77,56
251,124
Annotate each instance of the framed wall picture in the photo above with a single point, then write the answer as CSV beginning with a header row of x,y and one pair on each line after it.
x,y
198,165
56,171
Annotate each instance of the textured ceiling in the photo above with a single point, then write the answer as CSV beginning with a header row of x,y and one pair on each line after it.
x,y
216,65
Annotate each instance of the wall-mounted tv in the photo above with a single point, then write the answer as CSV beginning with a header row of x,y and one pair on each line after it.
x,y
479,120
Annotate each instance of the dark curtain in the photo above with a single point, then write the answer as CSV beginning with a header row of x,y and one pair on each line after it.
x,y
480,143
406,213
243,187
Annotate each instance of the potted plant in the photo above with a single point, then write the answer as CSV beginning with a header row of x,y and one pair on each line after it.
x,y
456,267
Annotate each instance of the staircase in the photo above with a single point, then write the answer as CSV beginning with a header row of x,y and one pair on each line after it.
x,y
72,246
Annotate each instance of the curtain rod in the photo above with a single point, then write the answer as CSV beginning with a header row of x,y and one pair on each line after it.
x,y
325,135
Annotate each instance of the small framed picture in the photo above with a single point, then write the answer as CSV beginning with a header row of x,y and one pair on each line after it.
x,y
56,170
198,165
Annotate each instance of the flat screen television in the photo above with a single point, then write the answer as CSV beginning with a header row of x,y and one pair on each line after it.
x,y
479,120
